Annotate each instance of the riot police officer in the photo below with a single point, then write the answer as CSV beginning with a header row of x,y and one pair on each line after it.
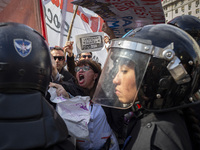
x,y
28,121
156,67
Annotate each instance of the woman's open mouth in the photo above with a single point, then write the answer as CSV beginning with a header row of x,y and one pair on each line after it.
x,y
81,78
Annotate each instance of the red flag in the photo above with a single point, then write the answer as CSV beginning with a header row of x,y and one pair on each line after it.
x,y
29,12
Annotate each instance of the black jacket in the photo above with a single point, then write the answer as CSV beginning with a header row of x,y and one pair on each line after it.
x,y
159,131
70,84
71,65
67,75
28,121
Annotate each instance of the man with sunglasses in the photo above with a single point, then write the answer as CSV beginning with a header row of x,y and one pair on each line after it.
x,y
59,57
61,75
87,55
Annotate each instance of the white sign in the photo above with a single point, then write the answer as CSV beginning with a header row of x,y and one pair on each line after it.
x,y
89,42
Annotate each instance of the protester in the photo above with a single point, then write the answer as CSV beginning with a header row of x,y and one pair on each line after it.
x,y
70,57
68,48
87,75
155,67
61,75
59,56
27,120
87,55
100,133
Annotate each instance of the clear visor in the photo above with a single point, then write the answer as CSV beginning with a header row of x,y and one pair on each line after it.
x,y
121,78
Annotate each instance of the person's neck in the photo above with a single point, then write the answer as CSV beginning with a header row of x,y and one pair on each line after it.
x,y
59,70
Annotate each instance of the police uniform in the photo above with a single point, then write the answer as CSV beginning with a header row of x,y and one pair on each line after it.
x,y
158,66
28,121
156,131
31,123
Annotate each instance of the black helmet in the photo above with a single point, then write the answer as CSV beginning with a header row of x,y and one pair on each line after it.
x,y
166,64
25,61
188,23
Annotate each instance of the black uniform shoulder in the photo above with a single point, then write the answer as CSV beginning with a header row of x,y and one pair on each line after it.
x,y
160,131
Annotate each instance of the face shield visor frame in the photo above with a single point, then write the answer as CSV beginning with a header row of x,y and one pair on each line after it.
x,y
122,74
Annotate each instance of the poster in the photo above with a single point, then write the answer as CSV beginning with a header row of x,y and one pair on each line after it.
x,y
124,15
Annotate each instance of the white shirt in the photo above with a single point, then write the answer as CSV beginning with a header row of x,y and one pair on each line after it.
x,y
99,131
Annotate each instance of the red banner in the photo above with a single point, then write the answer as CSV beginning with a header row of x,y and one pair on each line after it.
x,y
29,12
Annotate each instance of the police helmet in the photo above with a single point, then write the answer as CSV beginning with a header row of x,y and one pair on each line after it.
x,y
188,23
165,64
25,61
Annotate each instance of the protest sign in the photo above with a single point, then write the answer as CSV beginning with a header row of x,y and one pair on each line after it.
x,y
89,42
124,15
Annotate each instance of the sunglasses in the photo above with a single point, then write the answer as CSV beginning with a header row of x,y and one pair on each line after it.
x,y
59,57
84,68
84,56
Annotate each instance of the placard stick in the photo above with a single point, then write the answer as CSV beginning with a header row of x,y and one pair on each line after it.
x,y
71,25
72,22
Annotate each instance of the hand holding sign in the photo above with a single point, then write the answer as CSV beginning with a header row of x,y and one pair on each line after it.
x,y
69,48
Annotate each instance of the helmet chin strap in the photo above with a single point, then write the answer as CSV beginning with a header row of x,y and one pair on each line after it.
x,y
136,106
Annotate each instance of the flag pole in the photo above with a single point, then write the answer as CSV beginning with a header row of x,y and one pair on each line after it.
x,y
72,22
71,25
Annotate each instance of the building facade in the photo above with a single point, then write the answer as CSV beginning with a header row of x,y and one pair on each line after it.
x,y
174,8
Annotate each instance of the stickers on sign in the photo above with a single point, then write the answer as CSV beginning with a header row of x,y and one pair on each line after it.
x,y
89,42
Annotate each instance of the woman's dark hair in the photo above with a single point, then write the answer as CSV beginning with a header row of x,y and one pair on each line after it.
x,y
96,68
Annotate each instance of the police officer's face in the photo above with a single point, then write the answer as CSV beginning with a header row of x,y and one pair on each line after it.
x,y
125,84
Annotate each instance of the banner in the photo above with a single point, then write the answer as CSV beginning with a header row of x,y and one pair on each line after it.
x,y
29,12
124,15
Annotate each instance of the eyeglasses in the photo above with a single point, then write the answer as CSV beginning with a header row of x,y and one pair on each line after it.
x,y
59,57
84,68
84,56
